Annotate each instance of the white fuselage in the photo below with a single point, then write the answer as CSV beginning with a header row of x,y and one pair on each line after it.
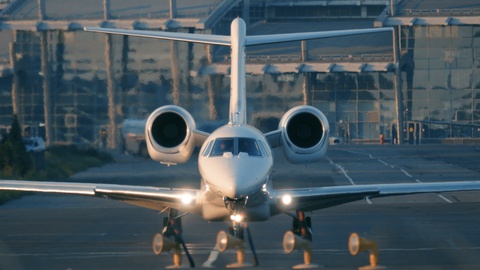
x,y
236,175
236,180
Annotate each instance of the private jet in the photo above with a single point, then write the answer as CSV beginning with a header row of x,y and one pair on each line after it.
x,y
235,161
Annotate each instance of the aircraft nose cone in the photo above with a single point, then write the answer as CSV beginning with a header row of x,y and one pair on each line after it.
x,y
230,189
235,188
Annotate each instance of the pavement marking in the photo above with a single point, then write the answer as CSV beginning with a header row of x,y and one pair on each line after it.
x,y
439,195
338,166
406,173
359,153
383,162
386,164
368,200
444,198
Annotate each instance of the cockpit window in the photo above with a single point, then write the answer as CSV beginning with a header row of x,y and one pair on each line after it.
x,y
207,149
235,146
221,146
247,145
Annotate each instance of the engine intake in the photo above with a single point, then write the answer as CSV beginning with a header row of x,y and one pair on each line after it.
x,y
305,132
169,135
169,130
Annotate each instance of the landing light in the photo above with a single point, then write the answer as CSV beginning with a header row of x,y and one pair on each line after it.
x,y
286,199
187,199
236,218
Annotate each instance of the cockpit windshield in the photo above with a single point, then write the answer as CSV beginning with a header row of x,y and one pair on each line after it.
x,y
221,146
235,146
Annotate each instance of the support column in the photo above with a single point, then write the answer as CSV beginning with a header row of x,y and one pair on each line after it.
x,y
398,86
173,9
106,10
393,4
211,86
41,10
209,49
124,79
47,95
58,82
16,80
306,88
112,132
304,51
175,72
212,109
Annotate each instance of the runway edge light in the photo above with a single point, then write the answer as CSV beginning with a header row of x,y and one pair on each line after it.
x,y
357,244
161,244
293,242
226,241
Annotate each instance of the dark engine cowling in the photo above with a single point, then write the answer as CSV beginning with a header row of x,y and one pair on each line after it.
x,y
169,135
305,132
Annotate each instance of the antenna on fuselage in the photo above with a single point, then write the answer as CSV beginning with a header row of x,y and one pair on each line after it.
x,y
234,119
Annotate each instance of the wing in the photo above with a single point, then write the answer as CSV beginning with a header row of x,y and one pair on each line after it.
x,y
148,197
309,199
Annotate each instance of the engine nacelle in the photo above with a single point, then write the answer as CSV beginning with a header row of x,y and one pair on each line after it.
x,y
305,132
169,135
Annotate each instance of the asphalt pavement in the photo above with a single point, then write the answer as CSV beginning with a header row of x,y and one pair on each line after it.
x,y
430,231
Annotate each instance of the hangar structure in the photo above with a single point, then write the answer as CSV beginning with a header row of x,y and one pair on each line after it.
x,y
419,83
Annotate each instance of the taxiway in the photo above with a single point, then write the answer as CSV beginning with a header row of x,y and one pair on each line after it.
x,y
430,231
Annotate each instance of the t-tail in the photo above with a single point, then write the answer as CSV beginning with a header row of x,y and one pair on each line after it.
x,y
237,41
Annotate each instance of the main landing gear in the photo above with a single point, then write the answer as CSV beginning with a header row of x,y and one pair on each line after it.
x,y
171,239
300,237
235,239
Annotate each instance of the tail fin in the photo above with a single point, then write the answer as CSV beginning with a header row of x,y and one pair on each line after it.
x,y
237,42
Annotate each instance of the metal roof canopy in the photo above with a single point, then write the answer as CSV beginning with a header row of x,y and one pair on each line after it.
x,y
432,12
299,67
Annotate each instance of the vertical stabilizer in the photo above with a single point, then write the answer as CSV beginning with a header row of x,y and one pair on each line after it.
x,y
238,96
237,41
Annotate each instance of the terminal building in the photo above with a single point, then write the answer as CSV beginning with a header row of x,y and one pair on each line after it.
x,y
420,83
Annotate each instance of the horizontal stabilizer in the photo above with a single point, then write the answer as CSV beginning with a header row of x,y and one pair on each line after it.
x,y
187,37
225,40
268,39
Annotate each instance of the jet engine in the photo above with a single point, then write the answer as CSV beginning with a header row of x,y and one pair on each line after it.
x,y
304,134
169,135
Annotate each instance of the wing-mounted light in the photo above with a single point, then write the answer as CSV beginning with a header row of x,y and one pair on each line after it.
x,y
169,135
305,132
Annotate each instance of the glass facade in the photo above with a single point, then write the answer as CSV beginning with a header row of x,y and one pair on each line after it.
x,y
84,84
441,76
358,105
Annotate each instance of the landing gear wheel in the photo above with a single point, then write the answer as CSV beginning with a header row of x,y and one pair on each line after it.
x,y
303,228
